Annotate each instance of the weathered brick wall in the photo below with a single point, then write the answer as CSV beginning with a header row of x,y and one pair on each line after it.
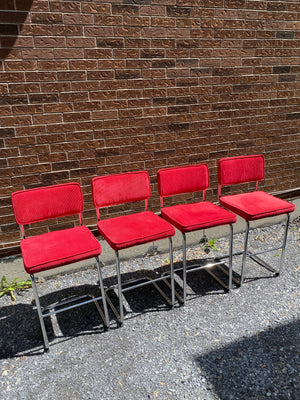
x,y
99,87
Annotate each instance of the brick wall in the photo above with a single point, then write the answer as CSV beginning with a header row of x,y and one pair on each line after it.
x,y
99,87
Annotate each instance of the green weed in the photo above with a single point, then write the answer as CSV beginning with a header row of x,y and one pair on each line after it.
x,y
210,245
7,288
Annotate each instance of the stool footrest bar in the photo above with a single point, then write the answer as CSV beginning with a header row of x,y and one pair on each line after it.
x,y
262,263
133,285
92,299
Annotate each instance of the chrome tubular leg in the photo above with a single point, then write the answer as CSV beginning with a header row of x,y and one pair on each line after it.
x,y
245,253
40,314
119,288
284,242
230,258
184,266
106,322
172,273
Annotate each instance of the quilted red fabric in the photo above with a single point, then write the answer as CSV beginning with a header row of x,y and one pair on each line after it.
x,y
191,217
233,170
185,179
256,205
130,230
120,188
33,205
58,248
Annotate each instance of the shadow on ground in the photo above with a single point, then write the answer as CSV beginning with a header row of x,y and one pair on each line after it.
x,y
266,365
20,332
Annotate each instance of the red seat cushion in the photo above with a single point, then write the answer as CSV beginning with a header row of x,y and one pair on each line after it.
x,y
58,248
191,217
256,205
130,230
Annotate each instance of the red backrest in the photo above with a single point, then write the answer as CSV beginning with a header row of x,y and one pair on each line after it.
x,y
40,204
115,189
242,169
185,179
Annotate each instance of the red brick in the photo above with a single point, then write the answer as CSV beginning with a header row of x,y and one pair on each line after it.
x,y
104,115
130,113
21,161
84,106
68,53
96,8
64,7
9,5
143,86
189,23
52,65
47,118
14,121
74,96
136,21
154,32
12,76
82,42
12,17
41,76
24,88
98,53
58,107
28,109
66,30
37,54
55,87
163,21
49,41
100,75
78,19
71,76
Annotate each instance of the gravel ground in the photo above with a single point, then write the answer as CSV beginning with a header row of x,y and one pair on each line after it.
x,y
243,345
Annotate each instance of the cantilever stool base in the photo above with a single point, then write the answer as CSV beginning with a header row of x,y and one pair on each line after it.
x,y
201,216
252,206
278,207
194,216
130,230
57,248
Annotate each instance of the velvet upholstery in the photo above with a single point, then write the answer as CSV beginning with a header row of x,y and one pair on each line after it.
x,y
186,179
131,230
115,189
58,248
251,205
234,170
189,217
195,216
128,230
40,204
256,205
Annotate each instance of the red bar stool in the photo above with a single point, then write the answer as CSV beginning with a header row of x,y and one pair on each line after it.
x,y
129,230
254,205
195,216
57,248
